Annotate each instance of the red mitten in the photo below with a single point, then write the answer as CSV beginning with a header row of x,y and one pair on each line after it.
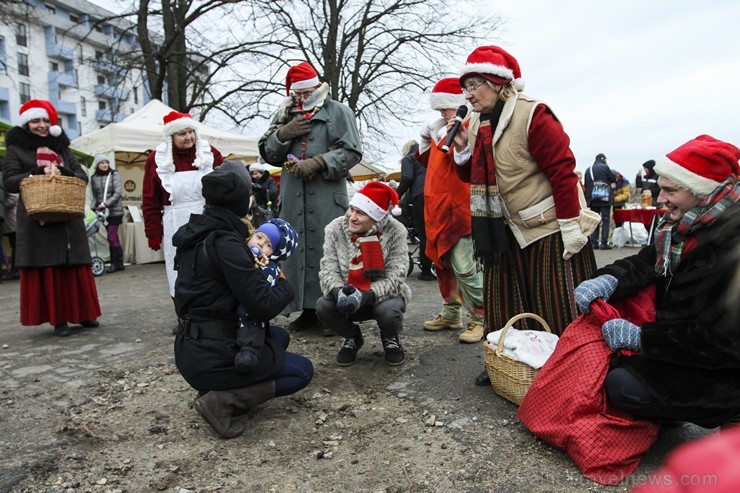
x,y
155,243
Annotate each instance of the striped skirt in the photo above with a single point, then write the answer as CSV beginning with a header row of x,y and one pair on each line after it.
x,y
535,279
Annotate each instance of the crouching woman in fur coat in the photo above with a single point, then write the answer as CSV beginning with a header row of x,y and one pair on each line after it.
x,y
216,273
688,367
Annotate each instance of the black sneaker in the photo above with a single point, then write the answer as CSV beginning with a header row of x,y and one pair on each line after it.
x,y
427,275
348,352
394,354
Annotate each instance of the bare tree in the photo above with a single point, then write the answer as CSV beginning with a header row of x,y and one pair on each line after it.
x,y
378,56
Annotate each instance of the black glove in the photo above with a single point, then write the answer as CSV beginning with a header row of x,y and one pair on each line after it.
x,y
351,299
297,127
65,171
334,293
246,361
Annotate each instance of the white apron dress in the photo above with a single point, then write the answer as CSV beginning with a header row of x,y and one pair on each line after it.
x,y
186,198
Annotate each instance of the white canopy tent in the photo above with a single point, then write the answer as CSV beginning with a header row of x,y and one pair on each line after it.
x,y
132,139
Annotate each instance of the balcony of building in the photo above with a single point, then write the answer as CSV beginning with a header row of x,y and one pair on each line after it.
x,y
53,48
62,79
104,66
107,116
110,92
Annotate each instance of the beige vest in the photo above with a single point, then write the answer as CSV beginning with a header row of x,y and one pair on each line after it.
x,y
529,207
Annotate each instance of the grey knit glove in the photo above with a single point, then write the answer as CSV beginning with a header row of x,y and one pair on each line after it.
x,y
601,287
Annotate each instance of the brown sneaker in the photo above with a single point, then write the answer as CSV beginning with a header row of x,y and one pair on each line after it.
x,y
473,334
441,323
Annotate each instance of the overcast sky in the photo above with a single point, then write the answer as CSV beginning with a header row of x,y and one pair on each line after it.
x,y
632,79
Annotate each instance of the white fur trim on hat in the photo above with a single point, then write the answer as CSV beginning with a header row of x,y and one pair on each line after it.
x,y
488,68
696,184
305,84
445,100
366,205
179,125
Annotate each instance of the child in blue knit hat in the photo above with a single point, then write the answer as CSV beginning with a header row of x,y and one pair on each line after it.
x,y
271,243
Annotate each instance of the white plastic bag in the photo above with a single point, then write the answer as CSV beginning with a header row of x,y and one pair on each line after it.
x,y
630,234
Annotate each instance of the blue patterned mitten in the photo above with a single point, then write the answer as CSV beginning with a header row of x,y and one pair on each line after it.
x,y
601,287
619,333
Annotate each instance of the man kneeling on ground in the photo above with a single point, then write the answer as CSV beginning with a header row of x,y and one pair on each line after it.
x,y
363,273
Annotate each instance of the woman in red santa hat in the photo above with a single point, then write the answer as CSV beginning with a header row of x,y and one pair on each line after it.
x,y
57,284
529,217
172,188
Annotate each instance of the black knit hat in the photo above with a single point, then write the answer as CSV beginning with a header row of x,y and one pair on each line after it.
x,y
601,157
649,164
228,186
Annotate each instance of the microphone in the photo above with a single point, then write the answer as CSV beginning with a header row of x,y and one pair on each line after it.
x,y
459,117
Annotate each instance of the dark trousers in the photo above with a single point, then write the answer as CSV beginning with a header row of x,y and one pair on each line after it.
x,y
388,314
419,226
297,370
629,394
606,213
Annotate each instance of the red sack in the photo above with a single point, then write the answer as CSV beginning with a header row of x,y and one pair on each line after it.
x,y
567,405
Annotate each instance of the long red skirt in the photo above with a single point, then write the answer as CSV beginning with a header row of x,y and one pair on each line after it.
x,y
58,295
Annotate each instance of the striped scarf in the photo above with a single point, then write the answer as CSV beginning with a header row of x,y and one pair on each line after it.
x,y
486,209
671,240
368,263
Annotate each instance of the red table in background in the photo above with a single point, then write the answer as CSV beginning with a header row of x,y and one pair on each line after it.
x,y
648,217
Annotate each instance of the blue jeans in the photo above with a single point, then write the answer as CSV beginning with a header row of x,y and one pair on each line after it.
x,y
606,215
297,370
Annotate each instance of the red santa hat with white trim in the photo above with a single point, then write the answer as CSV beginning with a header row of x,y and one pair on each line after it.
x,y
175,122
700,165
494,64
301,76
34,109
374,199
446,94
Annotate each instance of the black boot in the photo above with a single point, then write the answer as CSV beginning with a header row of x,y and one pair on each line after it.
x,y
217,406
116,259
307,320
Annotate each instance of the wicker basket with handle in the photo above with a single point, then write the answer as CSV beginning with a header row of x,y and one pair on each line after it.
x,y
510,378
53,197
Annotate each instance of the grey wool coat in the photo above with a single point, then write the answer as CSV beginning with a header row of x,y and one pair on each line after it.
x,y
310,205
43,244
114,195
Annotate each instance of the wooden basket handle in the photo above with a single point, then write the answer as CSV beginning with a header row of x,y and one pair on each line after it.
x,y
500,345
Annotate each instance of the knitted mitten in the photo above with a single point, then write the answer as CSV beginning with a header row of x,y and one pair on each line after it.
x,y
601,287
619,333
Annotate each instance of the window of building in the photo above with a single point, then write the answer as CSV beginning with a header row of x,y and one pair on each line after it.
x,y
83,107
80,54
136,95
99,28
24,91
102,105
74,18
101,80
20,35
53,67
98,55
50,8
22,64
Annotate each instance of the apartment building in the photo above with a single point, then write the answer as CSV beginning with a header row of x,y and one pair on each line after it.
x,y
61,51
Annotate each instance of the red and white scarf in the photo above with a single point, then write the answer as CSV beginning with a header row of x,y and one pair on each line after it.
x,y
367,264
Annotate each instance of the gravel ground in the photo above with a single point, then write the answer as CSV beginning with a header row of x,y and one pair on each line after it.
x,y
105,410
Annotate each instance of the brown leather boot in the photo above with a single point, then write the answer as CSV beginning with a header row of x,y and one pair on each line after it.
x,y
218,406
252,396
